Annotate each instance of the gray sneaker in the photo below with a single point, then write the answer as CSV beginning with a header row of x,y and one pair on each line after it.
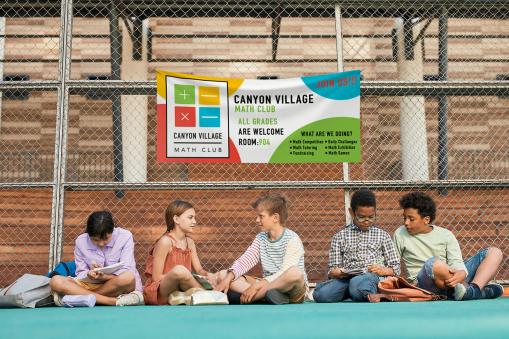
x,y
131,299
473,292
459,291
492,291
276,297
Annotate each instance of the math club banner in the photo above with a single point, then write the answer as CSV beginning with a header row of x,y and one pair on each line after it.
x,y
312,119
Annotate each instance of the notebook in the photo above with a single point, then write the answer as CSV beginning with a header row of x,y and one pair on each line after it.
x,y
106,269
353,271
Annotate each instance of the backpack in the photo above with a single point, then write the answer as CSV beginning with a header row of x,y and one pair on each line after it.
x,y
29,291
398,289
63,268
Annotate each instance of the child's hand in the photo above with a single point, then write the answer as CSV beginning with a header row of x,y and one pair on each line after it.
x,y
337,273
102,276
249,294
457,277
224,285
93,275
212,278
380,270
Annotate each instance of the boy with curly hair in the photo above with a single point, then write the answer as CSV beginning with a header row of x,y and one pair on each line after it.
x,y
433,259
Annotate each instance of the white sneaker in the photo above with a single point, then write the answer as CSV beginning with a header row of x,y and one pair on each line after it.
x,y
57,299
78,300
459,291
131,299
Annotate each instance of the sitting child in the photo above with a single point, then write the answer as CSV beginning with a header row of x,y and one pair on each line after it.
x,y
281,254
103,244
433,259
361,254
172,259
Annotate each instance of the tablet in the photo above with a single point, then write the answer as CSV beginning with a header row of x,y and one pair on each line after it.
x,y
106,269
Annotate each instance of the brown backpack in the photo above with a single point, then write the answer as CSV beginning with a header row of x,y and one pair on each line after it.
x,y
398,289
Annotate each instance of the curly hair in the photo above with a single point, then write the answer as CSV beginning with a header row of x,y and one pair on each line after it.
x,y
422,202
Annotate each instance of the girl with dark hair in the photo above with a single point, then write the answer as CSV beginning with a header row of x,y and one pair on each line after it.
x,y
102,245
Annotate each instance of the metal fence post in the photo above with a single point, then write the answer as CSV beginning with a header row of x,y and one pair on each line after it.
x,y
59,165
443,172
116,102
339,52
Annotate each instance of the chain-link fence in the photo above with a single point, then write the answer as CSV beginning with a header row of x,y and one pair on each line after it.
x,y
78,119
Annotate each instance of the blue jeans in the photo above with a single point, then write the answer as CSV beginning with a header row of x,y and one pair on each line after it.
x,y
356,288
425,277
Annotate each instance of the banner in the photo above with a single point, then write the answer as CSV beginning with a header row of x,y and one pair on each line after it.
x,y
312,119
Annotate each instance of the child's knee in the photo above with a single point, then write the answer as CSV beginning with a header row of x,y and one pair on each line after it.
x,y
57,283
441,272
496,253
440,269
330,291
126,279
180,272
359,293
294,275
323,295
318,296
360,288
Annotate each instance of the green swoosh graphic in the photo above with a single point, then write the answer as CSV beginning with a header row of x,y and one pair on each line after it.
x,y
329,140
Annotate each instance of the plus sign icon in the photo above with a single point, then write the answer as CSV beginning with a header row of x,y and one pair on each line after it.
x,y
185,111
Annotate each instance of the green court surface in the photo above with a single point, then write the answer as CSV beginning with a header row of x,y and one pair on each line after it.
x,y
442,319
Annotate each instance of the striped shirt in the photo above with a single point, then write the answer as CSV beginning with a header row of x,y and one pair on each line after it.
x,y
352,248
276,256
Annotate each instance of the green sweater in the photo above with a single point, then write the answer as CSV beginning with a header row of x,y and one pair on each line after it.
x,y
414,250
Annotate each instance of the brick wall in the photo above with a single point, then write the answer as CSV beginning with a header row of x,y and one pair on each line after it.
x,y
479,218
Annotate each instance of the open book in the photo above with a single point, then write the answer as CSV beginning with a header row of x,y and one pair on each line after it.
x,y
209,298
106,269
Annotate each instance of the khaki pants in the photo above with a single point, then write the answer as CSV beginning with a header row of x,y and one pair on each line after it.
x,y
297,294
